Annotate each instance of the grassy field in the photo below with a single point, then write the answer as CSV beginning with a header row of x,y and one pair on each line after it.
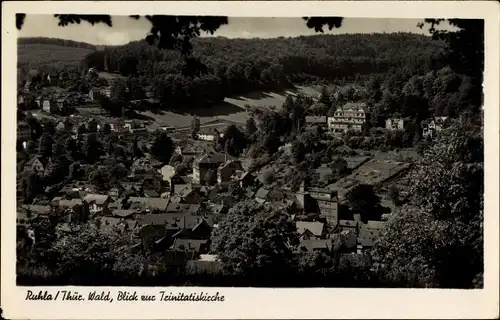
x,y
50,55
232,109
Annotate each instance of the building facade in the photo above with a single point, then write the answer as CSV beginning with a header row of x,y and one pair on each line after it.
x,y
351,116
394,124
95,93
23,131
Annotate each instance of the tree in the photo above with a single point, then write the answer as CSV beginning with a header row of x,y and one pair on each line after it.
x,y
254,242
394,195
325,96
106,128
31,147
99,178
82,129
162,147
195,127
119,93
465,50
96,253
298,152
363,200
92,148
443,225
45,145
251,127
268,177
235,140
175,159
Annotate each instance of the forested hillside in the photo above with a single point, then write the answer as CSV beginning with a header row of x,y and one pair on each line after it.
x,y
223,67
48,53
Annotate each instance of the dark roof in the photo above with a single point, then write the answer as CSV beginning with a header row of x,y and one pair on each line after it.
x,y
182,207
41,159
262,193
308,246
96,198
40,209
188,244
151,193
117,222
180,187
354,105
70,203
175,221
151,203
228,162
348,223
315,119
216,158
124,213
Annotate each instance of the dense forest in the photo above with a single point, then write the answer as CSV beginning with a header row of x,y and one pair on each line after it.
x,y
222,67
56,42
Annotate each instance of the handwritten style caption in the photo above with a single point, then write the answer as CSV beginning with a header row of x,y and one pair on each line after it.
x,y
125,296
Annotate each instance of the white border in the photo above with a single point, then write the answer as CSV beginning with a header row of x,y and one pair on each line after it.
x,y
265,303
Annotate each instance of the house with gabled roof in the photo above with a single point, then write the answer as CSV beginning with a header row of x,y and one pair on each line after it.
x,y
37,164
98,202
189,195
67,125
79,209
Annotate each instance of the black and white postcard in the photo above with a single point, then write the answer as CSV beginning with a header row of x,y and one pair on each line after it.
x,y
250,159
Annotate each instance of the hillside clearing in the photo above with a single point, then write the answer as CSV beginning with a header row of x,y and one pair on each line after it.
x,y
232,109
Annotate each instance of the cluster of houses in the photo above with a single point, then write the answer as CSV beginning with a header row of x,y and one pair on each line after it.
x,y
72,125
353,115
176,214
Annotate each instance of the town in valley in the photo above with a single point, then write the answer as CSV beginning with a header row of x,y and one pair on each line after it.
x,y
322,160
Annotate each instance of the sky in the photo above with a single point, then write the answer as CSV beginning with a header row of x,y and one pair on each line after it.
x,y
126,29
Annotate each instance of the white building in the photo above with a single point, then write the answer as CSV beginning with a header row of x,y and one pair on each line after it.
x,y
395,124
351,116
